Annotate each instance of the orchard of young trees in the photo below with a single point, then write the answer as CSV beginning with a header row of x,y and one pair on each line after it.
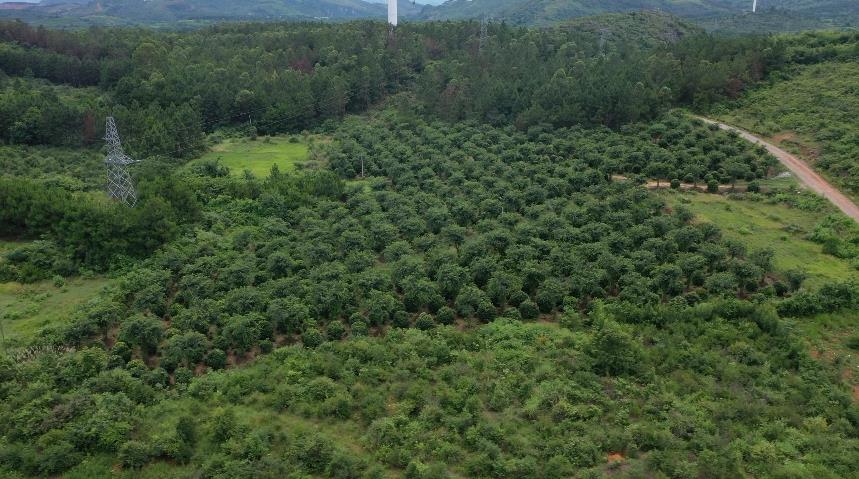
x,y
471,282
456,226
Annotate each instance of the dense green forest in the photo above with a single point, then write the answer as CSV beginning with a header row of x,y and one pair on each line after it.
x,y
168,88
464,270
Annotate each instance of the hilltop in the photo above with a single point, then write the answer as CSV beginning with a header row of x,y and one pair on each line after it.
x,y
645,29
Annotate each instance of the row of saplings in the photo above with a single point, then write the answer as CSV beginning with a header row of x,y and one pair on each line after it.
x,y
285,320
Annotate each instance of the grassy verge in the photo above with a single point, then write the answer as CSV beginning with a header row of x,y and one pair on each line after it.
x,y
777,226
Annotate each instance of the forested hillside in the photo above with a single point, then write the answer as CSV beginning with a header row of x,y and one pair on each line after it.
x,y
167,88
416,254
734,12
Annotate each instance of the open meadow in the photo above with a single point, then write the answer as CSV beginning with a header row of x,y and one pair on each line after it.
x,y
258,155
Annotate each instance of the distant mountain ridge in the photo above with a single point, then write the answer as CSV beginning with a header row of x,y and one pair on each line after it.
x,y
145,11
720,15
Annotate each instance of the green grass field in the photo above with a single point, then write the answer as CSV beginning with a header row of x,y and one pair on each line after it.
x,y
258,156
761,225
26,309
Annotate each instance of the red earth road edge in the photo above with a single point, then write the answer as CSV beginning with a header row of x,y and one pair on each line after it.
x,y
804,173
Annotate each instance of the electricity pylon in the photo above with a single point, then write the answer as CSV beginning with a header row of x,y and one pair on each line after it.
x,y
484,34
119,185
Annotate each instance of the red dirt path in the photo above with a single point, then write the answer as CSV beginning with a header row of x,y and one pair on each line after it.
x,y
804,173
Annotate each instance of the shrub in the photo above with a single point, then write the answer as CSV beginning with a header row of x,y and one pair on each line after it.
x,y
517,297
529,310
424,322
712,186
445,315
613,350
143,331
360,328
183,376
795,278
335,330
675,184
312,337
134,454
216,359
401,319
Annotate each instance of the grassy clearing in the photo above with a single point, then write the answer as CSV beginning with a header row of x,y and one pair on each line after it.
x,y
787,182
7,245
258,156
761,225
26,309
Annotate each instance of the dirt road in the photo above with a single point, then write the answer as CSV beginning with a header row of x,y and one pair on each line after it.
x,y
801,170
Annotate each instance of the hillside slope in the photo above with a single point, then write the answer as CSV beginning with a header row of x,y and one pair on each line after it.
x,y
645,29
812,112
541,12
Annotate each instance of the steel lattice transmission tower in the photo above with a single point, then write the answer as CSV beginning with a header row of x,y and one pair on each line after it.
x,y
119,185
484,34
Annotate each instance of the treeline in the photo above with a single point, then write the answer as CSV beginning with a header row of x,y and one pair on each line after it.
x,y
35,112
56,67
88,229
289,77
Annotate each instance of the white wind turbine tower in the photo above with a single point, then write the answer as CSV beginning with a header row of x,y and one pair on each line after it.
x,y
754,6
392,12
